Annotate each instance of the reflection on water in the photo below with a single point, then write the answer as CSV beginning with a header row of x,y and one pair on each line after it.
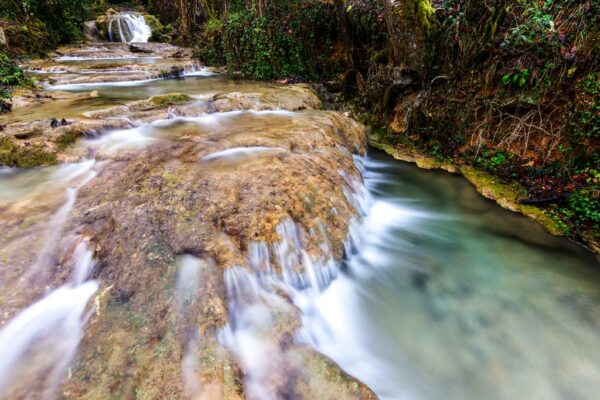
x,y
450,297
193,85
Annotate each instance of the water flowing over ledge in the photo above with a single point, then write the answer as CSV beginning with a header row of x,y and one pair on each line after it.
x,y
129,28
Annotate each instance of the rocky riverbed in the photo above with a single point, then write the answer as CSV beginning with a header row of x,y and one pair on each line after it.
x,y
196,215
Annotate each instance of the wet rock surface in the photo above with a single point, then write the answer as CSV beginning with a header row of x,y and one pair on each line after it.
x,y
176,179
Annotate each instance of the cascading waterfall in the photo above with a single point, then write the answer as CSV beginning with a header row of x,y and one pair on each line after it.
x,y
130,28
256,306
254,294
82,173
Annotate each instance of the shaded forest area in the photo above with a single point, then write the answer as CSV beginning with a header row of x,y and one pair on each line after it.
x,y
511,87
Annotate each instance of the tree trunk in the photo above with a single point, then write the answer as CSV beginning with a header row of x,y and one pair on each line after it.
x,y
184,19
388,14
345,34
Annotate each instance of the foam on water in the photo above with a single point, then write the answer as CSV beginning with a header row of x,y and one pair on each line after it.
x,y
195,71
236,152
123,139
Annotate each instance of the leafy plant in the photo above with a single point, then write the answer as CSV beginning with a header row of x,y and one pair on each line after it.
x,y
491,160
10,77
518,78
295,40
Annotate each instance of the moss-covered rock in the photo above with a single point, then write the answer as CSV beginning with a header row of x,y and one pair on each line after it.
x,y
67,139
13,155
170,99
412,155
157,28
415,23
102,26
508,195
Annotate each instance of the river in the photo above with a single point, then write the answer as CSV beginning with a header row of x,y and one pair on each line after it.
x,y
441,294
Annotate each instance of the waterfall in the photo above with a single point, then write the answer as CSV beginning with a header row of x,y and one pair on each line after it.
x,y
130,28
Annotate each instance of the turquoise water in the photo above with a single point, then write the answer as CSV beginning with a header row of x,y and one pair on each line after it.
x,y
448,296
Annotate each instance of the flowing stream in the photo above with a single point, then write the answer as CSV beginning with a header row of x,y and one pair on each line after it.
x,y
449,296
441,294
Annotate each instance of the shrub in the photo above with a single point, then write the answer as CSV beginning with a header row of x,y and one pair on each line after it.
x,y
10,77
294,40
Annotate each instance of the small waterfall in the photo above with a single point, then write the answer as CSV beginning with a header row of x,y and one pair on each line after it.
x,y
195,70
252,334
130,28
287,269
39,343
262,320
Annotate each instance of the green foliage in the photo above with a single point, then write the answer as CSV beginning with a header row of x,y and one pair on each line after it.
x,y
47,22
517,79
10,76
585,205
581,211
211,46
293,41
537,22
591,84
491,160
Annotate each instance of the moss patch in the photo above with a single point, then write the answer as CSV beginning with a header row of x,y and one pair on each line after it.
x,y
158,30
508,195
66,139
13,155
405,153
170,99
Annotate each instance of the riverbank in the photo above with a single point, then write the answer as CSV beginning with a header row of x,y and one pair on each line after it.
x,y
508,195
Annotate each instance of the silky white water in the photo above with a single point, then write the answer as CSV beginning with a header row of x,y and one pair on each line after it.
x,y
130,28
444,295
39,343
